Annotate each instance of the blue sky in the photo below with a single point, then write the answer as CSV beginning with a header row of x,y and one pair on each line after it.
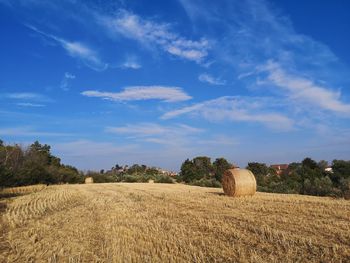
x,y
156,82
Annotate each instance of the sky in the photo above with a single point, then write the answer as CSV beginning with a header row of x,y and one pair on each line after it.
x,y
157,82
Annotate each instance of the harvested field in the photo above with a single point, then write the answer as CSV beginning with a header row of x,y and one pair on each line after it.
x,y
23,190
171,223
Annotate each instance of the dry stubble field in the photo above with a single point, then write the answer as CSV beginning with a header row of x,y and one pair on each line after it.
x,y
170,223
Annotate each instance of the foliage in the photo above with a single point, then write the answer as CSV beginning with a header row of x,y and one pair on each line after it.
x,y
220,165
163,179
101,177
138,174
207,183
200,171
307,177
33,165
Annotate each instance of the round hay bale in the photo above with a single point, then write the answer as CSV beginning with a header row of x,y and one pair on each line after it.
x,y
89,180
238,182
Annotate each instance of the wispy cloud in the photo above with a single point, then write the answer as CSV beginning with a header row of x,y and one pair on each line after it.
x,y
28,104
131,62
150,129
77,50
65,81
88,148
238,109
163,93
28,96
257,33
303,90
156,133
206,78
219,140
29,132
151,33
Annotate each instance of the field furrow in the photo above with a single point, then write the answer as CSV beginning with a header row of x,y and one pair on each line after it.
x,y
173,223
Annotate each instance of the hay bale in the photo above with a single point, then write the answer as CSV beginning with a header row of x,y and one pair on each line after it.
x,y
89,180
150,181
238,182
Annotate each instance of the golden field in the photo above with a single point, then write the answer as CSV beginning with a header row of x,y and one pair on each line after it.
x,y
170,223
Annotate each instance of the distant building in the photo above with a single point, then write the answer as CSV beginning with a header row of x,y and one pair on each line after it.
x,y
279,168
166,172
328,169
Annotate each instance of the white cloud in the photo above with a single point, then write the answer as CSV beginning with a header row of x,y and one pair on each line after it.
x,y
131,62
219,140
151,33
150,129
164,93
24,95
29,132
68,75
29,96
238,109
28,104
156,133
206,78
65,81
85,148
303,90
77,50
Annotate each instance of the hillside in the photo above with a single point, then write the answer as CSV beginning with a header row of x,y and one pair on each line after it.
x,y
161,223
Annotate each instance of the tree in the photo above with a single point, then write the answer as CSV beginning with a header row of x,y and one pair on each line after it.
x,y
309,163
342,168
33,165
322,165
220,165
117,167
187,173
136,168
203,167
340,171
260,170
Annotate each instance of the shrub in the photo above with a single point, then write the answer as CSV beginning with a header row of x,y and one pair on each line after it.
x,y
163,179
101,178
207,183
130,178
345,188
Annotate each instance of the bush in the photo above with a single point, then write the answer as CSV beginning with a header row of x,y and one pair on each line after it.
x,y
163,179
130,178
101,178
207,183
345,188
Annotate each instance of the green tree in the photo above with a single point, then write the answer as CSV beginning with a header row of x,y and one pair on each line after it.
x,y
260,171
322,164
309,163
220,165
203,167
187,173
33,165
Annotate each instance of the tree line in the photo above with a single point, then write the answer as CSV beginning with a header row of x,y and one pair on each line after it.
x,y
307,177
35,164
135,173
